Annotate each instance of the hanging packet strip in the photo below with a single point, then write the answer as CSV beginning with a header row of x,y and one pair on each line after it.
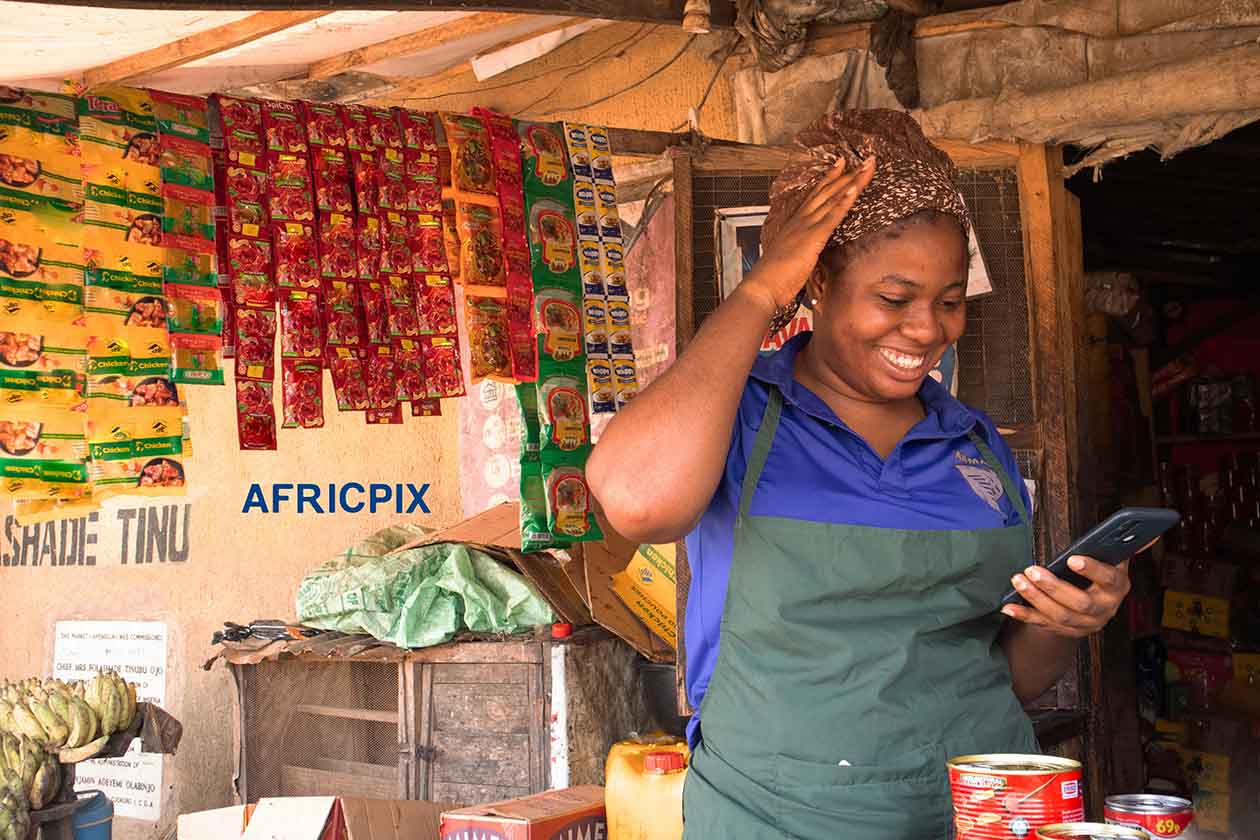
x,y
570,515
403,320
535,535
196,310
409,367
343,314
42,452
241,125
301,335
338,258
356,120
246,194
255,343
426,408
349,380
325,125
251,272
435,303
488,347
39,144
368,246
197,359
381,380
285,129
428,243
562,407
599,384
118,139
560,323
296,255
469,143
481,262
396,255
374,297
443,375
43,363
41,257
157,390
137,451
391,416
450,236
302,395
255,415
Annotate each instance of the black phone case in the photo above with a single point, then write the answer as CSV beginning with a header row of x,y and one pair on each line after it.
x,y
1111,541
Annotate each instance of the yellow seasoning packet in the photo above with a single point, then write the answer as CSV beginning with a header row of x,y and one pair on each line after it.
x,y
42,362
136,451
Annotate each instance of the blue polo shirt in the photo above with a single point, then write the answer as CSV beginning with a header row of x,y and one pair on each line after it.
x,y
821,470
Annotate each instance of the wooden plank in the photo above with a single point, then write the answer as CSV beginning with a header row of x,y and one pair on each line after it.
x,y
639,11
347,714
480,709
494,653
992,154
406,730
424,731
477,792
412,43
357,768
539,731
199,45
481,674
684,305
308,781
466,757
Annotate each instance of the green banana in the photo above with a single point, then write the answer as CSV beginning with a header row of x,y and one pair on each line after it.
x,y
127,693
44,786
32,758
27,724
60,704
13,783
53,725
12,750
90,723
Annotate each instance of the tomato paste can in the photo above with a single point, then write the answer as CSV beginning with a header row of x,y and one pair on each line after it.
x,y
1089,831
1162,817
1005,796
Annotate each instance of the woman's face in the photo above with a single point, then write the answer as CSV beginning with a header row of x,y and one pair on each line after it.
x,y
886,318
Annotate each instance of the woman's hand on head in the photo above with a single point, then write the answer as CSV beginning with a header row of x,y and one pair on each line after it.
x,y
788,261
1061,608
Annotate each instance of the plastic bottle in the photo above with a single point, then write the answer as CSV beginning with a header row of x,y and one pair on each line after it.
x,y
643,788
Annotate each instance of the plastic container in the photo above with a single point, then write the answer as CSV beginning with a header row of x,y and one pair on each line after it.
x,y
95,820
643,788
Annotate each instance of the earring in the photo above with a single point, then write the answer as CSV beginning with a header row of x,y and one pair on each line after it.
x,y
813,302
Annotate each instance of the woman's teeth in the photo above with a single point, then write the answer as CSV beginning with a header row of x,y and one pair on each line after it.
x,y
903,361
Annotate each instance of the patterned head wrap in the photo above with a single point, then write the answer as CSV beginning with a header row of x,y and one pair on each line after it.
x,y
911,175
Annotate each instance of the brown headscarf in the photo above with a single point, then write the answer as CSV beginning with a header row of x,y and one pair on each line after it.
x,y
911,175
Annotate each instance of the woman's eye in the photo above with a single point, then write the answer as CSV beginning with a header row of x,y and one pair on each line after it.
x,y
892,301
951,304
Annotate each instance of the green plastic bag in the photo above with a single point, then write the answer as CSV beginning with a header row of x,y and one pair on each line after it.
x,y
419,597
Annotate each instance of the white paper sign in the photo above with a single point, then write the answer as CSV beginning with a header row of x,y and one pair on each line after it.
x,y
978,282
137,651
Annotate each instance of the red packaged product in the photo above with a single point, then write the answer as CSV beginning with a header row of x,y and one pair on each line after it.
x,y
242,127
393,192
409,364
375,299
368,246
358,130
395,244
522,342
505,149
228,335
381,417
426,408
301,333
324,124
428,245
338,255
450,236
379,369
255,337
249,270
402,308
435,302
424,188
343,314
419,130
488,346
255,415
303,394
469,143
481,240
245,194
332,180
349,382
286,131
366,178
297,258
442,373
386,132
291,198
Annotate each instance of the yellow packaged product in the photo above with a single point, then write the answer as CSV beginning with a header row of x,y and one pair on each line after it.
x,y
118,132
35,511
42,362
136,451
41,261
117,350
39,144
41,452
625,379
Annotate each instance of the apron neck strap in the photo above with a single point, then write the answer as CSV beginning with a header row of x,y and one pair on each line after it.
x,y
761,449
1008,484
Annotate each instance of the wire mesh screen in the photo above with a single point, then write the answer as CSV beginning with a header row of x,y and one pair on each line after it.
x,y
993,355
321,729
709,192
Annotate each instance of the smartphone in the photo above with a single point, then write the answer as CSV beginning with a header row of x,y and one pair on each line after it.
x,y
1119,537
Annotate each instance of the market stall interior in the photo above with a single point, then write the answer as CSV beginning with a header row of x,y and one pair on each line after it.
x,y
349,236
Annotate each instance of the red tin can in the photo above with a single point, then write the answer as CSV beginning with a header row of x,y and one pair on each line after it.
x,y
1006,796
1089,831
1162,817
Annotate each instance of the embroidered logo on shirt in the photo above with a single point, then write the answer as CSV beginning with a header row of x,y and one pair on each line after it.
x,y
983,481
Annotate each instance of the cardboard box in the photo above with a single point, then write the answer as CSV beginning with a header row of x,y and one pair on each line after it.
x,y
570,814
638,596
1201,614
1205,771
317,818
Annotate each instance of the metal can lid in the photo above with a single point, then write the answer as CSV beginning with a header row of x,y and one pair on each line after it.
x,y
1014,764
664,762
1148,803
1089,831
561,631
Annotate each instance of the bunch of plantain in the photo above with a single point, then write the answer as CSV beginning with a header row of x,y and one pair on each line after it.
x,y
68,716
15,817
29,771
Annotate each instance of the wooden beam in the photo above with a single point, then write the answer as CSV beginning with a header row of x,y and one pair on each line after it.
x,y
196,46
639,11
412,43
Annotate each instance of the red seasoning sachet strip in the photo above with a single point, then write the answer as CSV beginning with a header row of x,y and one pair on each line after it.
x,y
349,380
442,372
251,272
296,255
255,415
426,408
368,246
255,337
392,188
374,295
385,129
241,124
428,245
409,365
332,179
285,129
291,196
324,124
402,307
343,314
338,256
301,333
435,295
356,120
245,192
381,380
302,394
395,244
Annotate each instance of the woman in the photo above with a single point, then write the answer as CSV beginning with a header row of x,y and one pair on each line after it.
x,y
851,527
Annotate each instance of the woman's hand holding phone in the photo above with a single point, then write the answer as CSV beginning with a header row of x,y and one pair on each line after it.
x,y
1061,608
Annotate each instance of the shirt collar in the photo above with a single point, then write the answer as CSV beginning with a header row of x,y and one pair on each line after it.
x,y
946,416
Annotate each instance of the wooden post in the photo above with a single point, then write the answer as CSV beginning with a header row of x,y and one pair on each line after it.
x,y
684,310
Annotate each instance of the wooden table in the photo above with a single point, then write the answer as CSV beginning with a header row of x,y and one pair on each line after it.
x,y
56,822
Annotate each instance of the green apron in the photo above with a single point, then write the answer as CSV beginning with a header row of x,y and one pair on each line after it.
x,y
853,662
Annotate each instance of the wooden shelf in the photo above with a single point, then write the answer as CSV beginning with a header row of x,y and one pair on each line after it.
x,y
1169,440
349,714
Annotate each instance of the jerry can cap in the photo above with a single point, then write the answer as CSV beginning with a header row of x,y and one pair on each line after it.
x,y
664,762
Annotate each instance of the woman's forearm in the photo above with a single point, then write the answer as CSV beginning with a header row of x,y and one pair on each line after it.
x,y
659,461
1037,658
